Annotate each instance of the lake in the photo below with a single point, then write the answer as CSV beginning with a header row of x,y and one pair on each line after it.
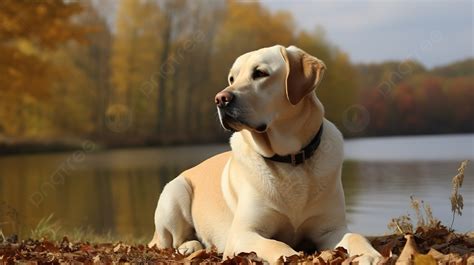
x,y
115,191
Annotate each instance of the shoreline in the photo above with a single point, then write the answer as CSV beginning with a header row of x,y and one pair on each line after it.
x,y
14,146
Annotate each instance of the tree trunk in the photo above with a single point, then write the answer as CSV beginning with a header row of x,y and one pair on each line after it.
x,y
163,71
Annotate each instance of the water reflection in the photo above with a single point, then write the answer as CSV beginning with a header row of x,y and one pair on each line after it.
x,y
116,191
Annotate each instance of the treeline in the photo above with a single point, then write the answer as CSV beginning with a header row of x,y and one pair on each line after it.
x,y
404,98
149,73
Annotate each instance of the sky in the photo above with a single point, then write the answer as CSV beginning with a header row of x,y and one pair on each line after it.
x,y
432,32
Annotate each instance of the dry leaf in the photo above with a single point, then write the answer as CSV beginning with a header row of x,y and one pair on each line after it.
x,y
96,259
349,260
470,260
197,255
65,252
386,250
326,255
117,247
408,252
435,253
421,259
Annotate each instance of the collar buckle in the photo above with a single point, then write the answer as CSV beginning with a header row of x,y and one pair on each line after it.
x,y
294,162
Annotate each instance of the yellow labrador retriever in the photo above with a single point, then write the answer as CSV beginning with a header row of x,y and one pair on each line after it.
x,y
281,183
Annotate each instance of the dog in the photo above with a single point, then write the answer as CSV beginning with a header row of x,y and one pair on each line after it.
x,y
280,185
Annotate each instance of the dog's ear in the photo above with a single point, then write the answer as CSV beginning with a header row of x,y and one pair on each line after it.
x,y
303,75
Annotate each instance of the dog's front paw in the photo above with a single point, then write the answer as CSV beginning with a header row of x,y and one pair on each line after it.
x,y
190,247
368,259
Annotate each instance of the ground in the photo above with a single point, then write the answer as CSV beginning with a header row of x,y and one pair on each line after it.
x,y
431,246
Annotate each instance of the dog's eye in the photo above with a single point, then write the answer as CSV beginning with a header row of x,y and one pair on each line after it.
x,y
231,79
259,74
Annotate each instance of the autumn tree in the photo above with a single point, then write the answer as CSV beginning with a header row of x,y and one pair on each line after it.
x,y
421,104
457,69
386,75
248,26
134,48
192,89
28,31
149,73
459,96
83,102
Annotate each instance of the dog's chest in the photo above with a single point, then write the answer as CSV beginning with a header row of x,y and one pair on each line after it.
x,y
296,192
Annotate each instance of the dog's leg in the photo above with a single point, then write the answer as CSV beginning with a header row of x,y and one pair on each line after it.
x,y
355,244
247,233
189,247
173,222
247,241
358,245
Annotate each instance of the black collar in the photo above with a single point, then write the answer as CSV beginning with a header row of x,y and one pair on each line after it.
x,y
303,154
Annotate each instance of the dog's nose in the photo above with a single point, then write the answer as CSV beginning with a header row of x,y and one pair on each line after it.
x,y
223,98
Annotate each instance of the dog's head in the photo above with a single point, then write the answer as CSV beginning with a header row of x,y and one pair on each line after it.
x,y
264,84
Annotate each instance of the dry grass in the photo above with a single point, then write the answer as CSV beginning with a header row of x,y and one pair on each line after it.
x,y
424,215
52,229
456,198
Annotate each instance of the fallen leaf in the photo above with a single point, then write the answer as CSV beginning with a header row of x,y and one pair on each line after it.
x,y
96,259
117,247
200,254
408,252
435,253
421,259
349,260
326,255
470,260
386,250
336,261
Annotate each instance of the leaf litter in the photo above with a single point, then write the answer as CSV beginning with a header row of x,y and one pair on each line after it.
x,y
436,245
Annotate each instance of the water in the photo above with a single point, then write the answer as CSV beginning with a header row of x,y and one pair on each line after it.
x,y
116,191
421,148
